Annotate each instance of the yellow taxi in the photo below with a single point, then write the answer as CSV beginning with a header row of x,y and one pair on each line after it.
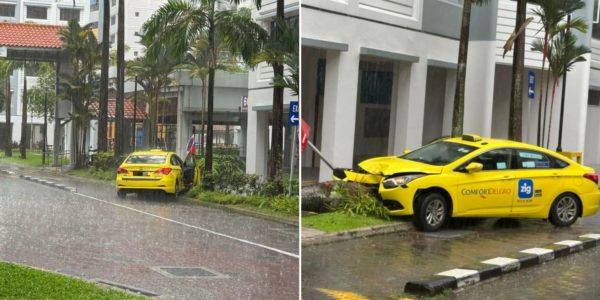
x,y
156,170
473,177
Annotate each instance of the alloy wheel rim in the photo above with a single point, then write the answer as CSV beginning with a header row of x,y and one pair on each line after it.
x,y
566,209
434,213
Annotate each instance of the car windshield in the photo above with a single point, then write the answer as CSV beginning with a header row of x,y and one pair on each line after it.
x,y
439,153
146,159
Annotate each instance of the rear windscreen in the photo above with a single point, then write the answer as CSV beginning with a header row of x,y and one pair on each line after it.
x,y
146,159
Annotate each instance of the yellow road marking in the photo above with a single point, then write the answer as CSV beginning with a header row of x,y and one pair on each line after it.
x,y
342,295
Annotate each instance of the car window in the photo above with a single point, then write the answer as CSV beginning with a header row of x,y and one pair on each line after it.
x,y
494,160
439,153
146,159
189,161
529,159
174,161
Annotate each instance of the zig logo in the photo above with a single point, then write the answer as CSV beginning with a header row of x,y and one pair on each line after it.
x,y
525,188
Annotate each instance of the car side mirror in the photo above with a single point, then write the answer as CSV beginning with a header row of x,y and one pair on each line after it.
x,y
406,151
474,167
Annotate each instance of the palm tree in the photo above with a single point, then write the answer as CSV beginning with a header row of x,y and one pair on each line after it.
x,y
103,105
516,96
152,74
180,23
563,53
80,86
551,14
461,70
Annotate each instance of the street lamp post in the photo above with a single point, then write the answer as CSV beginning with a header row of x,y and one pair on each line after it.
x,y
562,101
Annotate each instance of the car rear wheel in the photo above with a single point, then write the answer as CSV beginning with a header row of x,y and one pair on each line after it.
x,y
121,194
565,210
432,212
175,195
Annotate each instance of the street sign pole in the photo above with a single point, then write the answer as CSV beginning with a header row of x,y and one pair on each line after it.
x,y
293,157
293,120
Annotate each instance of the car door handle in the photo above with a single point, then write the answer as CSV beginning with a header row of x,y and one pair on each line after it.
x,y
507,177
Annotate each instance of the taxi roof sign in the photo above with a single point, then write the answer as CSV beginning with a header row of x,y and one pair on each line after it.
x,y
471,138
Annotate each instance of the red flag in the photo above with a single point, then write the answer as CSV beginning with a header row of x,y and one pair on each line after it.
x,y
191,146
304,135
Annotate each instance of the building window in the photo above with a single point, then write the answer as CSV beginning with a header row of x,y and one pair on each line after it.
x,y
135,53
113,20
113,2
112,39
594,98
37,12
137,13
7,10
68,14
596,12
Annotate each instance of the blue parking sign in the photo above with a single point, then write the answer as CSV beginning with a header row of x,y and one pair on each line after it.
x,y
294,114
531,84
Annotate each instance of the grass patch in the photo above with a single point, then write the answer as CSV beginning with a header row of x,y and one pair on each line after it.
x,y
94,174
20,282
339,221
281,206
33,159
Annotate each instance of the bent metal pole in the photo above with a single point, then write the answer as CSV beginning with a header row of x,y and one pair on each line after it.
x,y
320,155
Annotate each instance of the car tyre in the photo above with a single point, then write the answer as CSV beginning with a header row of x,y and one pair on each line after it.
x,y
121,194
431,213
175,195
564,210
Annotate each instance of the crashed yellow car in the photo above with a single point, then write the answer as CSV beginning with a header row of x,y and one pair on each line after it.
x,y
474,177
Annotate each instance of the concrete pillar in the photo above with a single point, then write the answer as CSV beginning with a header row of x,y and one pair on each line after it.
x,y
577,89
309,94
257,142
410,105
339,109
184,127
481,64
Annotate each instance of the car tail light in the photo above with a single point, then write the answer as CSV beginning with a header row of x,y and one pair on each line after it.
x,y
122,171
164,171
591,176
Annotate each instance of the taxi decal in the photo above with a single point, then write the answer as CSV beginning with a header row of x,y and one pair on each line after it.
x,y
486,191
525,188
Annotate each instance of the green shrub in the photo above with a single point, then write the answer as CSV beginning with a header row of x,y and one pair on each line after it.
x,y
354,199
283,204
104,161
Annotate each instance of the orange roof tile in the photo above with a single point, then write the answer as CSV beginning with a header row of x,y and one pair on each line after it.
x,y
30,35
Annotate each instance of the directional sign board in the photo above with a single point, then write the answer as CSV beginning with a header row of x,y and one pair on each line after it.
x,y
294,114
531,85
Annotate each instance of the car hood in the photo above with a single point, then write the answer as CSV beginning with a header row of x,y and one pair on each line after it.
x,y
391,165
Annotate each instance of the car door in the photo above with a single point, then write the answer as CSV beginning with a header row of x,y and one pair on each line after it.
x,y
177,166
537,181
488,192
189,168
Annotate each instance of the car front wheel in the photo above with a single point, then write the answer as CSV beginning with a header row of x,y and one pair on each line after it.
x,y
432,212
565,210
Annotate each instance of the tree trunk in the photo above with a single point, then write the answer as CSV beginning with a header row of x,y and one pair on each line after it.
x,y
516,101
8,108
539,125
120,145
212,62
554,84
545,111
276,159
459,95
103,103
22,145
202,117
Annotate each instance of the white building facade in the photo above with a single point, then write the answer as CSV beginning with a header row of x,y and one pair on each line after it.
x,y
378,77
260,97
46,12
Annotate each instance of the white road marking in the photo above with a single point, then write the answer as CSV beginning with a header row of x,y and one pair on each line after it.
x,y
501,261
569,243
537,251
594,236
458,273
195,227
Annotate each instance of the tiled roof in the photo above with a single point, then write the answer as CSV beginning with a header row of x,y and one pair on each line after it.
x,y
141,114
30,35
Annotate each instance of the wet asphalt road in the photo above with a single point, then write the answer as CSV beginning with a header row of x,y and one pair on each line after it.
x,y
94,235
379,267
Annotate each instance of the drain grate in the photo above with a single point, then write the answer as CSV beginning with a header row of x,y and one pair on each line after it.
x,y
188,272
